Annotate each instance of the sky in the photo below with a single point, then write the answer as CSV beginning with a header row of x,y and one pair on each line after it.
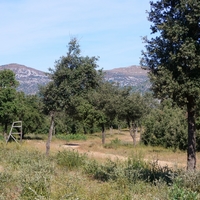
x,y
35,33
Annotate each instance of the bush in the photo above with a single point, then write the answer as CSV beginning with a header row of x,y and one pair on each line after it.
x,y
189,180
70,159
178,193
114,144
133,170
165,127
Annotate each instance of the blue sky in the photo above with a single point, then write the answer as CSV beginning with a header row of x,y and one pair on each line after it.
x,y
35,33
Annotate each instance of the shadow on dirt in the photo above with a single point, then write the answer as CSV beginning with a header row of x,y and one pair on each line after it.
x,y
32,138
72,145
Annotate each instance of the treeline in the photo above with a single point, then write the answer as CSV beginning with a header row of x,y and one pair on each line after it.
x,y
78,100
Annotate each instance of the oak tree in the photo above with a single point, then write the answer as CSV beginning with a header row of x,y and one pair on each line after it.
x,y
173,58
73,77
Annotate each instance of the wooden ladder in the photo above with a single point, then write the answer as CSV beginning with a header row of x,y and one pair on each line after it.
x,y
18,125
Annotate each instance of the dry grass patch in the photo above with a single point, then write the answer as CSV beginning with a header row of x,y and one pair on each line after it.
x,y
124,148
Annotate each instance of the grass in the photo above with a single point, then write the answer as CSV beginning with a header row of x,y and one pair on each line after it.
x,y
29,174
26,173
69,137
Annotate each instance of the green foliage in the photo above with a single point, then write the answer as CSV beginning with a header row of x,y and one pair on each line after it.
x,y
7,79
114,144
165,126
15,106
188,180
70,159
72,78
132,107
173,54
29,110
69,137
104,104
132,171
178,193
8,108
104,172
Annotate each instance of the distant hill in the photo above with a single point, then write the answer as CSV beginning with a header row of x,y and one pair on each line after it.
x,y
133,76
30,78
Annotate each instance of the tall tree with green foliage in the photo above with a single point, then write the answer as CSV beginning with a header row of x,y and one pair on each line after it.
x,y
173,58
73,77
8,109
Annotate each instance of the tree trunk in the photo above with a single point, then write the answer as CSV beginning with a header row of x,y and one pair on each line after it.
x,y
111,130
119,129
191,151
50,133
103,134
133,131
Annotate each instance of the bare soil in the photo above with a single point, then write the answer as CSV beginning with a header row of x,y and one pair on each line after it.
x,y
93,148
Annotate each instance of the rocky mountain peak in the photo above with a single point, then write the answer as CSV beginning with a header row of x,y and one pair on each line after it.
x,y
30,78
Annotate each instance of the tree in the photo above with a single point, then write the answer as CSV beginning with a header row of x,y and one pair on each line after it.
x,y
29,110
104,101
49,98
173,58
8,108
131,108
73,77
7,79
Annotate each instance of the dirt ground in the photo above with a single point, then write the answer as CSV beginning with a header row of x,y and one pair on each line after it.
x,y
93,148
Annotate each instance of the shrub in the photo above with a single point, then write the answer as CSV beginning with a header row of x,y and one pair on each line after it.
x,y
114,144
178,193
189,180
70,159
165,127
109,170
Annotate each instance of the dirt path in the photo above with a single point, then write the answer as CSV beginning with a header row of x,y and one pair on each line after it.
x,y
82,147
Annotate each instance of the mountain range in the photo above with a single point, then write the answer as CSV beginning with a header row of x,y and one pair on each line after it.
x,y
30,78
